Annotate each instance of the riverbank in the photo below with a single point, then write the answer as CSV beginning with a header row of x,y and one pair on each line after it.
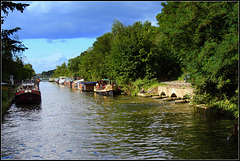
x,y
6,105
8,91
205,104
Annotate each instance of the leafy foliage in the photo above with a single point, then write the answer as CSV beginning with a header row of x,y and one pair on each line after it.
x,y
12,49
61,71
204,36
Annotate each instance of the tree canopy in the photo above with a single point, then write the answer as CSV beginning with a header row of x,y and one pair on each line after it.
x,y
12,48
204,36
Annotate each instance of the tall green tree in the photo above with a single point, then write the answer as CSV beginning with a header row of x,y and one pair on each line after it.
x,y
204,36
73,66
12,48
100,52
137,53
28,71
61,71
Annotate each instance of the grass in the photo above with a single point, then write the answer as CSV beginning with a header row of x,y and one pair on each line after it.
x,y
7,95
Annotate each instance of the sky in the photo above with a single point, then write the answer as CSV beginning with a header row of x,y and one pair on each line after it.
x,y
56,31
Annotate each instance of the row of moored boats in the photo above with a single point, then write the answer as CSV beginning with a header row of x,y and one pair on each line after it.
x,y
29,93
103,87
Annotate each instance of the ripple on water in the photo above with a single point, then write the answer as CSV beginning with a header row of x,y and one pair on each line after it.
x,y
79,125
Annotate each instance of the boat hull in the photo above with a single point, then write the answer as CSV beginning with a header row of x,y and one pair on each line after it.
x,y
28,97
107,93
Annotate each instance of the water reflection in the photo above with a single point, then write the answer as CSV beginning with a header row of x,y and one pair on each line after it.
x,y
71,124
18,117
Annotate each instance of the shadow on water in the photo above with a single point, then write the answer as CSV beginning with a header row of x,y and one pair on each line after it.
x,y
24,110
28,107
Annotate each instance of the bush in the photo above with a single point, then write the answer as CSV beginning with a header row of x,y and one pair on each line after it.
x,y
223,105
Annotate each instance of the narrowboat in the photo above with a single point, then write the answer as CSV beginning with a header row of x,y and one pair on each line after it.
x,y
106,88
28,93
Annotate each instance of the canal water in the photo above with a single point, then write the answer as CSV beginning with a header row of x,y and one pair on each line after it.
x,y
70,124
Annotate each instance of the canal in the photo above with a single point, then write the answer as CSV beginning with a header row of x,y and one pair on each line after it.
x,y
70,124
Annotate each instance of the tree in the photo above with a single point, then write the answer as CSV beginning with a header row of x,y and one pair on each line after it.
x,y
28,71
48,73
204,36
136,53
73,66
61,71
100,52
12,49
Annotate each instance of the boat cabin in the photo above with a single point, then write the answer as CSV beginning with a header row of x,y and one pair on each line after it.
x,y
87,86
27,86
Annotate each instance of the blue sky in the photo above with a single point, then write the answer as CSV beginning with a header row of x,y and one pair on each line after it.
x,y
55,31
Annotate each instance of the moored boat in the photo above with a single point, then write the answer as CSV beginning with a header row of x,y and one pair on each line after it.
x,y
61,80
28,93
106,88
67,82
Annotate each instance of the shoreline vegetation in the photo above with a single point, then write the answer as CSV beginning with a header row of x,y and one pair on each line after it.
x,y
8,92
194,41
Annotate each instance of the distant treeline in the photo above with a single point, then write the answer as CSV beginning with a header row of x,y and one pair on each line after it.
x,y
199,38
47,73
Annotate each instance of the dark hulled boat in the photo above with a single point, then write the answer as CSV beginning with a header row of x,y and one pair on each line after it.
x,y
28,93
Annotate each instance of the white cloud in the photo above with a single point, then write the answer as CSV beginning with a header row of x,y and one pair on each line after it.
x,y
57,57
47,63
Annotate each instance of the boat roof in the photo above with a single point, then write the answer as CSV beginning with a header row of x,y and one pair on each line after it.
x,y
77,81
86,82
28,84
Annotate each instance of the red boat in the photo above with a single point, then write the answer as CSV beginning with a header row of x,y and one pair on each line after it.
x,y
28,93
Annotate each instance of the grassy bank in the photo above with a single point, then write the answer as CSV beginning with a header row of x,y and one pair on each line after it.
x,y
7,97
